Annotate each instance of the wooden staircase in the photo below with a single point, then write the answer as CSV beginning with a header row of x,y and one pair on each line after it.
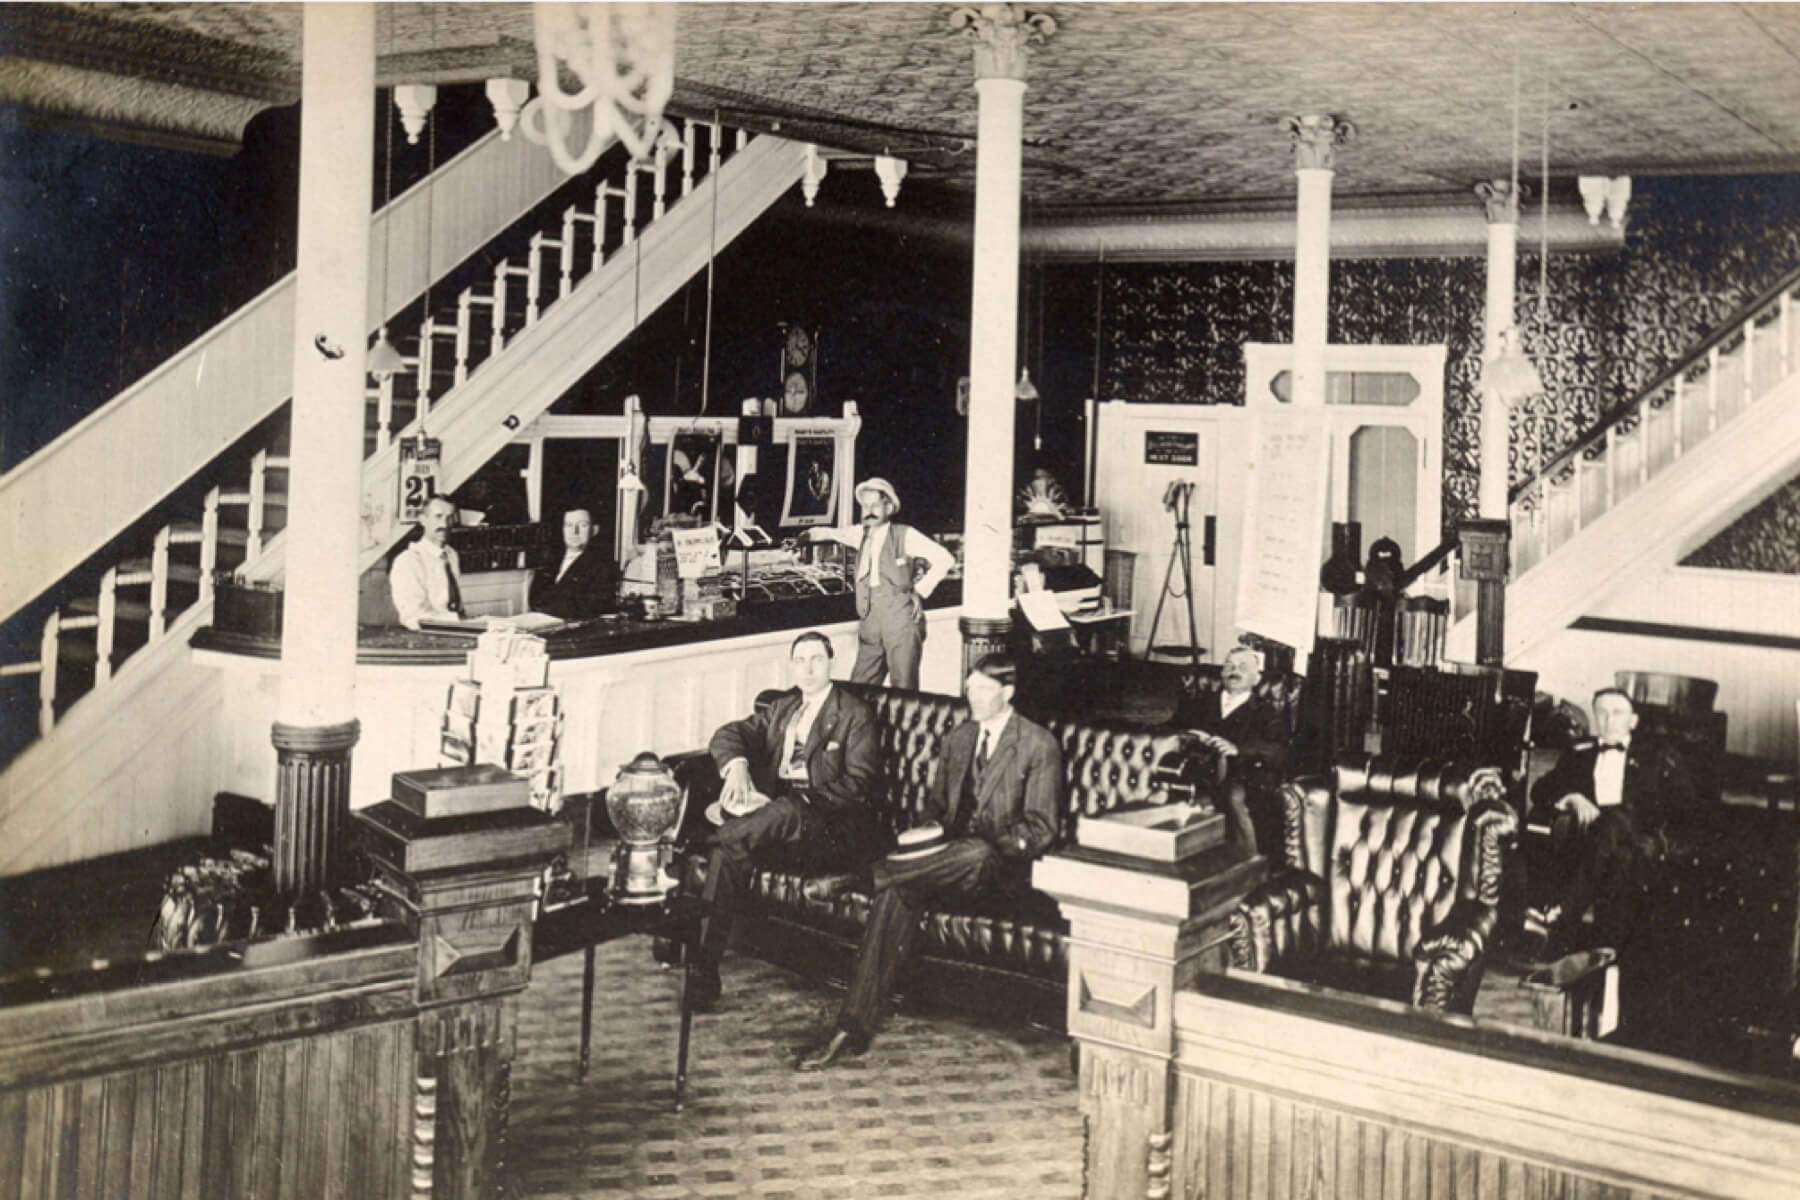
x,y
1657,476
453,358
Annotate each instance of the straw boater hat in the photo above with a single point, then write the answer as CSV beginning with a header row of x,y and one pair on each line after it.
x,y
876,483
917,843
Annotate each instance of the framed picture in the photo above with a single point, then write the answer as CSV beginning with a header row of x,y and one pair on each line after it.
x,y
811,497
691,482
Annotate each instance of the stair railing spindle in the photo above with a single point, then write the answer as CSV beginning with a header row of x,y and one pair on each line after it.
x,y
259,470
1677,416
659,160
159,583
47,652
209,544
424,374
535,267
1712,390
1643,472
384,411
103,627
464,307
631,203
567,279
1610,470
499,326
1784,331
712,149
687,157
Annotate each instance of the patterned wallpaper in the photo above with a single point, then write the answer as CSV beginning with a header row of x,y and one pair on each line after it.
x,y
1696,249
1767,538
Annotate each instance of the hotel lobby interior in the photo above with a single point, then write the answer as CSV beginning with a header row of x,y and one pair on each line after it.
x,y
1443,355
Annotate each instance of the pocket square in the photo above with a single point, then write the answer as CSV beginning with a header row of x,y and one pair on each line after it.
x,y
834,745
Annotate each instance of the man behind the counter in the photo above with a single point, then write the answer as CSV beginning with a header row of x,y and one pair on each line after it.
x,y
585,580
892,607
426,579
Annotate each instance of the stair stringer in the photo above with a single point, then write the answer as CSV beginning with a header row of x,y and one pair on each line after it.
x,y
130,766
1669,517
542,362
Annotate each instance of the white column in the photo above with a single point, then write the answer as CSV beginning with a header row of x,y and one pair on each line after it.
x,y
1502,204
1315,151
1000,33
337,112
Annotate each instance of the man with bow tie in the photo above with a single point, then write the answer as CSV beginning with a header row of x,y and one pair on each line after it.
x,y
812,753
993,807
1606,803
585,581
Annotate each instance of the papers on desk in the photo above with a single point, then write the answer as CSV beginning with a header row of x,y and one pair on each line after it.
x,y
1042,610
470,626
532,622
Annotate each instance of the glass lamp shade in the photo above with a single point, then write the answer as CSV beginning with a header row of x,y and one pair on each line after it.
x,y
1025,390
384,360
629,481
1510,374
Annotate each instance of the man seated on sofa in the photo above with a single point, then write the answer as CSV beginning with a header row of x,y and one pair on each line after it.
x,y
1251,731
992,809
1606,802
585,580
796,775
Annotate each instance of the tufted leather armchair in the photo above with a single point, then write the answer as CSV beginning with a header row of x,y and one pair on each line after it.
x,y
1011,952
1392,883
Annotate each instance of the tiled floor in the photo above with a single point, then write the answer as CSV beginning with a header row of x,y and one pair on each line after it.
x,y
941,1107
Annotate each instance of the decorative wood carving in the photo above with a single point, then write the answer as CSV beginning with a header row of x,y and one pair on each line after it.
x,y
1000,34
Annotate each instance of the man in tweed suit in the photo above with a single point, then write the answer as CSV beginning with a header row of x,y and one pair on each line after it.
x,y
994,806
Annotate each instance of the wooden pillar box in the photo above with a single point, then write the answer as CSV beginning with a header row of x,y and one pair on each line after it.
x,y
466,886
1139,931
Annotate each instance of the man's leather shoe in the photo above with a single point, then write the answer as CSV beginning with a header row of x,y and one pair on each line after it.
x,y
828,887
843,1044
703,991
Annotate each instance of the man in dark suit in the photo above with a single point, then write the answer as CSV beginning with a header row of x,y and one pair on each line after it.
x,y
1606,802
812,754
994,806
584,582
1251,731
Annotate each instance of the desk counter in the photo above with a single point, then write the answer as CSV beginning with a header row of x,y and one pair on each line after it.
x,y
626,686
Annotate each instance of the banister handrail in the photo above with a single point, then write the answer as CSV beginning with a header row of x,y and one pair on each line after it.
x,y
1597,431
1430,562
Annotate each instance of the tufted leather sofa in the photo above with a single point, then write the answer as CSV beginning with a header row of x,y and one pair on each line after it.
x,y
1009,956
1392,883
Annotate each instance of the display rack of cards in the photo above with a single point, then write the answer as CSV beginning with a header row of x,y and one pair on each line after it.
x,y
507,714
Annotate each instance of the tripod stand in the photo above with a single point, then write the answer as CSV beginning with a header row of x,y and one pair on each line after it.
x,y
1177,499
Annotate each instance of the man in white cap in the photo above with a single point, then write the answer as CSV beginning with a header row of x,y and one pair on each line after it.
x,y
891,605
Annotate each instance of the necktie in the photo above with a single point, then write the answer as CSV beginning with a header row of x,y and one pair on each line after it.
x,y
1609,747
455,592
981,756
797,743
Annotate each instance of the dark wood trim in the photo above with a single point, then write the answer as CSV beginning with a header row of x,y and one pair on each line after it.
x,y
1687,633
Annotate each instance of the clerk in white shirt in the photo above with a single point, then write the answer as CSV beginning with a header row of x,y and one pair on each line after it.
x,y
891,637
426,579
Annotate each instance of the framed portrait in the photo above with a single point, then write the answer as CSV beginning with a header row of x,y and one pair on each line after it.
x,y
811,497
691,480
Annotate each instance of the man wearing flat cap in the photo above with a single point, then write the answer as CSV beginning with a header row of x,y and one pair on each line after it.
x,y
890,604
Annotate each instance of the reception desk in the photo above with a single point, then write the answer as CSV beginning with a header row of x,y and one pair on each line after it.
x,y
626,686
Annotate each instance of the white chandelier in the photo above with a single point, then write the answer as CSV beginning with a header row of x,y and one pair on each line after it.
x,y
622,55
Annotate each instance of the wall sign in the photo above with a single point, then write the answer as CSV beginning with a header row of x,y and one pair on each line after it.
x,y
420,460
1167,448
696,552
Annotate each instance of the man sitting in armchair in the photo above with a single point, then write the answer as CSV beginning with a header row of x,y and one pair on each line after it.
x,y
994,806
1606,802
1251,732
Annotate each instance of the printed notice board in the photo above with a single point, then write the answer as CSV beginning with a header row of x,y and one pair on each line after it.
x,y
420,458
1171,448
1284,523
696,552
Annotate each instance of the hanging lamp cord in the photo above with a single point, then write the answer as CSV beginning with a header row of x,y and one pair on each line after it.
x,y
712,246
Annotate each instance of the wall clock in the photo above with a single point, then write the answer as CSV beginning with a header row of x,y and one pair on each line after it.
x,y
795,394
799,369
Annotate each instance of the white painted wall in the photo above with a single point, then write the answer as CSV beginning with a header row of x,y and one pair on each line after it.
x,y
1758,686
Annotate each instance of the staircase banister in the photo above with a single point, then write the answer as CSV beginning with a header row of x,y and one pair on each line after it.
x,y
1438,554
1596,432
61,505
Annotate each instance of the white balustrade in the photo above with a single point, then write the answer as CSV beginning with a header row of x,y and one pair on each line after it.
x,y
566,280
1712,390
253,518
209,544
103,625
159,583
463,310
47,652
687,157
534,273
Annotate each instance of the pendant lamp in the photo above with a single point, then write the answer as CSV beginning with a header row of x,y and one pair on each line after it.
x,y
1510,374
384,361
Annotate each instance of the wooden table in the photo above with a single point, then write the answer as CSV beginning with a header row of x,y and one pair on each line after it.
x,y
590,923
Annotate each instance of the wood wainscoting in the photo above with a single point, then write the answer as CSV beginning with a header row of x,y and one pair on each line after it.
x,y
1287,1091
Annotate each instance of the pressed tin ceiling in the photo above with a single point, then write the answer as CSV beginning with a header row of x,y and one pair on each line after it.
x,y
1128,104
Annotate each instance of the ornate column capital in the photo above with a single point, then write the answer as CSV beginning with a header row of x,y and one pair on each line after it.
x,y
1316,139
1000,33
1500,200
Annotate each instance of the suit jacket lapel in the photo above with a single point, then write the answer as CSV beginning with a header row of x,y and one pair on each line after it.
x,y
998,757
781,715
959,760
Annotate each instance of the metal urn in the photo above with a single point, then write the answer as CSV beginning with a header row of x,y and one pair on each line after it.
x,y
646,806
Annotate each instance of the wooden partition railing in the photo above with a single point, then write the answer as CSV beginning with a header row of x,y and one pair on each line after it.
x,y
1285,1091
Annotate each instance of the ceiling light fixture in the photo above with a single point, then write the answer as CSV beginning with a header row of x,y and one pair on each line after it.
x,y
1509,375
384,361
623,55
